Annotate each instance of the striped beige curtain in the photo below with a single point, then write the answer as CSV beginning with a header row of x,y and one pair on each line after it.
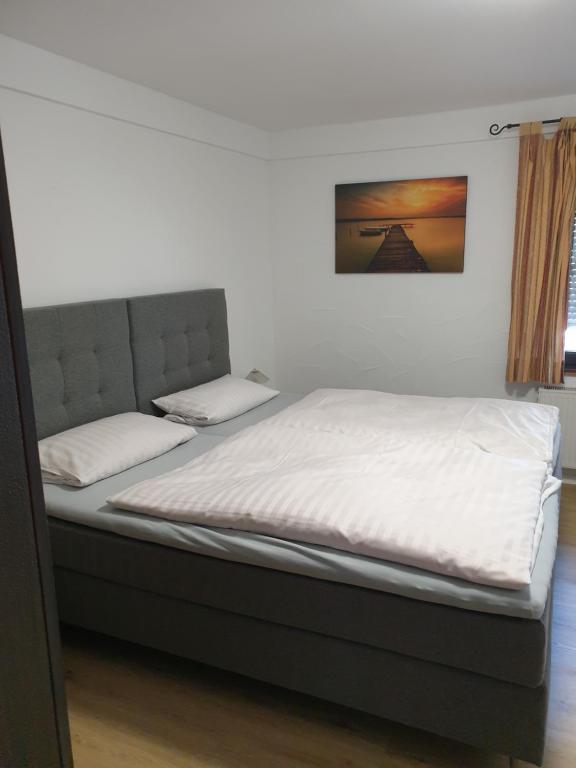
x,y
545,209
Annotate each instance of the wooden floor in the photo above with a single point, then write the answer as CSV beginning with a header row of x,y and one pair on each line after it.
x,y
135,708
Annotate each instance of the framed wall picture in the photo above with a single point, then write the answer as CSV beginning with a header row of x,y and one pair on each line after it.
x,y
415,225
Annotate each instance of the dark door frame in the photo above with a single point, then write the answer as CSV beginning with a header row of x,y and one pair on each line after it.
x,y
33,716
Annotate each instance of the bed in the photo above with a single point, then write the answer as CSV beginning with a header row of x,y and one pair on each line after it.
x,y
438,653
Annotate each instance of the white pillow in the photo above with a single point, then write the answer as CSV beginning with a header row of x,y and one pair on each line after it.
x,y
215,401
85,454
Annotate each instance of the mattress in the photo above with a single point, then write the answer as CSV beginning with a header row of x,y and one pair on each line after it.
x,y
87,507
450,485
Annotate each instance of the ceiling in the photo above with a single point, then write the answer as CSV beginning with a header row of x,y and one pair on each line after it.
x,y
280,64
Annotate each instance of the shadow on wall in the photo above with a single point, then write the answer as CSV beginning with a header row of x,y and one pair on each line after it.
x,y
520,390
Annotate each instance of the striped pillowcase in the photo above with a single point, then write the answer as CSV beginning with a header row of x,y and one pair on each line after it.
x,y
214,402
88,453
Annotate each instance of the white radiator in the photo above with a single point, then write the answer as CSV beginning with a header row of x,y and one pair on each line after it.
x,y
565,399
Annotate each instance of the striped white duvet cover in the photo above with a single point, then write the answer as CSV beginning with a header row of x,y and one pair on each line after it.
x,y
451,485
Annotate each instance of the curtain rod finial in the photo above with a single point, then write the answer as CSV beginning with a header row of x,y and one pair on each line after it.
x,y
496,130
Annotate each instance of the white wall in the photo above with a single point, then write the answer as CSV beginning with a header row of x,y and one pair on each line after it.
x,y
438,334
117,190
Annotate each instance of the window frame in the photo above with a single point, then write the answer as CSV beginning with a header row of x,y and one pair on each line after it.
x,y
570,362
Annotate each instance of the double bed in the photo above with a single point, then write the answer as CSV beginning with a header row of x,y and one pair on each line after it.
x,y
463,660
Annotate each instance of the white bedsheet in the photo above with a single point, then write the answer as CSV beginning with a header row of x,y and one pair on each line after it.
x,y
451,485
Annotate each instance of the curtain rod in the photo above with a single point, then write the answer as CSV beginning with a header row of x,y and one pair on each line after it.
x,y
496,130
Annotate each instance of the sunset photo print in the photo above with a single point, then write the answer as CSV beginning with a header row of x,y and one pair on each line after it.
x,y
416,225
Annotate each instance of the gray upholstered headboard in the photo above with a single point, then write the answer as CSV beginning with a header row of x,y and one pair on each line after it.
x,y
96,359
80,363
179,340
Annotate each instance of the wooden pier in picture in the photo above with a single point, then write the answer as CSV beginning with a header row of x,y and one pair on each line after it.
x,y
397,253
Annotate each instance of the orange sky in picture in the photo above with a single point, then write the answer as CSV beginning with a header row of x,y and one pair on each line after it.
x,y
418,198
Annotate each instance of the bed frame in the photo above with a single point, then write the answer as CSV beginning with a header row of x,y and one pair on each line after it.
x,y
475,677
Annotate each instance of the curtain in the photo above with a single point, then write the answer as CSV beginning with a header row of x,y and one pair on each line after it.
x,y
545,208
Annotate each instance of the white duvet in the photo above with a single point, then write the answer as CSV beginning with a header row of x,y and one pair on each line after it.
x,y
451,485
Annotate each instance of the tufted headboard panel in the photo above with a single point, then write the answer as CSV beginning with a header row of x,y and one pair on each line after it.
x,y
179,340
80,363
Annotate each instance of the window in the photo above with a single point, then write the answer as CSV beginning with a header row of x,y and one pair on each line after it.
x,y
570,339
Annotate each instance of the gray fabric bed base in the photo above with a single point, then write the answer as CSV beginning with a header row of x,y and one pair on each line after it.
x,y
475,709
510,649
